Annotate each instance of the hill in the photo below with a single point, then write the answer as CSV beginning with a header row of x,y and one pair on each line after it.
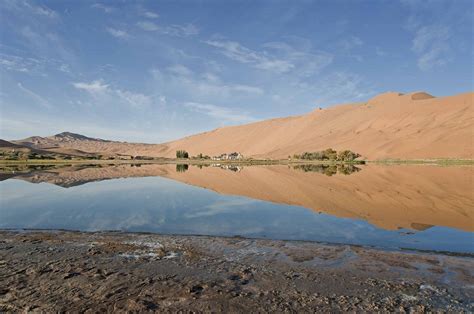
x,y
13,151
76,144
390,125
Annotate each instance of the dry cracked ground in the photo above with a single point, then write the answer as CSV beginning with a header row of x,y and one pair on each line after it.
x,y
97,272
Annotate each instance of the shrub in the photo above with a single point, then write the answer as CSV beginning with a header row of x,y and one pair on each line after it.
x,y
328,154
347,155
182,154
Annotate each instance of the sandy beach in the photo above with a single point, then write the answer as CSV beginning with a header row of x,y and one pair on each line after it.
x,y
111,271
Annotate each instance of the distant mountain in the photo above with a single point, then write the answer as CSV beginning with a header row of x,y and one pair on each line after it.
x,y
9,149
7,144
77,144
56,140
390,125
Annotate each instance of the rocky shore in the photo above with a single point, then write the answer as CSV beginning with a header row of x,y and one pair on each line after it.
x,y
110,271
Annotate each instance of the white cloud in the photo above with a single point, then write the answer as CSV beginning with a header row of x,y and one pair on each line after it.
x,y
172,30
46,12
117,33
103,7
151,15
18,64
180,70
181,30
32,66
93,87
105,93
41,10
236,51
134,99
279,57
223,114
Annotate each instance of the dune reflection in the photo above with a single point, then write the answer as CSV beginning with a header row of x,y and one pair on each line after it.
x,y
390,197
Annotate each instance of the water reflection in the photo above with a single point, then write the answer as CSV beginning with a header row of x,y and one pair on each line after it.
x,y
182,167
328,170
418,198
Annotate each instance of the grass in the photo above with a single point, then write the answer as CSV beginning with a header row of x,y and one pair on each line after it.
x,y
434,161
441,162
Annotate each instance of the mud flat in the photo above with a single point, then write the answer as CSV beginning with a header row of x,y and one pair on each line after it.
x,y
111,271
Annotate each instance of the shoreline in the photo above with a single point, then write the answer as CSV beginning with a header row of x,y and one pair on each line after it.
x,y
335,244
71,270
434,161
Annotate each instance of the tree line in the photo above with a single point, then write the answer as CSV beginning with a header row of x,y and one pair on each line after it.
x,y
329,154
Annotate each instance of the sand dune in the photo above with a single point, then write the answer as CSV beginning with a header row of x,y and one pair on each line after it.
x,y
390,197
390,125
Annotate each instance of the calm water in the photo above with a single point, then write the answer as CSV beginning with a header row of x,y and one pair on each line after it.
x,y
419,207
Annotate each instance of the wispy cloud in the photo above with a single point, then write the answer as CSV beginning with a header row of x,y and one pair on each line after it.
x,y
172,30
137,100
27,6
279,57
38,98
223,114
431,44
97,86
201,85
148,26
338,87
107,9
150,15
44,11
18,64
350,43
30,65
104,92
117,33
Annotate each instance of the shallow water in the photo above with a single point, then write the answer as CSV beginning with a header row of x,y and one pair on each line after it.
x,y
417,207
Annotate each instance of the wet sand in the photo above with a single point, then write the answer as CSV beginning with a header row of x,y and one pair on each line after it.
x,y
110,271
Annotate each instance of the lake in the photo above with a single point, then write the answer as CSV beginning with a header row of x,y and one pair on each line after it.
x,y
397,206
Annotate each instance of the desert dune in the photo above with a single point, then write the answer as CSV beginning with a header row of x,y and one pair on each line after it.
x,y
388,126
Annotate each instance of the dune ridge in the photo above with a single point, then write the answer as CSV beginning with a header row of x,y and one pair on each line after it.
x,y
388,126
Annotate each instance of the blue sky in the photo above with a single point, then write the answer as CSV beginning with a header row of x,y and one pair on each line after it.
x,y
153,71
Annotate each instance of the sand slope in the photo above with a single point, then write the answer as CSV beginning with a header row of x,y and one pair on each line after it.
x,y
390,125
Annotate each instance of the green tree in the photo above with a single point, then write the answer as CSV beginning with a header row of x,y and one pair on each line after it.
x,y
347,155
182,154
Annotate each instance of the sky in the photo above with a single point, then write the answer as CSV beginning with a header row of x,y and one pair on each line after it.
x,y
154,71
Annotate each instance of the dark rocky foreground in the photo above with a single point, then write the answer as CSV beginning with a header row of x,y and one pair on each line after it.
x,y
92,272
